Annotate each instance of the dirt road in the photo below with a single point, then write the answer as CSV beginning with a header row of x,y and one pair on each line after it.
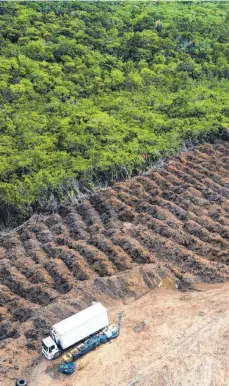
x,y
167,338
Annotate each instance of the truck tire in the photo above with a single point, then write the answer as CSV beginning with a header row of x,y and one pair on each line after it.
x,y
21,382
57,355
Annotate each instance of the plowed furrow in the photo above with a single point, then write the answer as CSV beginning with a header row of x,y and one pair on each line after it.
x,y
191,211
56,225
213,177
72,260
39,257
206,181
97,260
124,212
180,214
16,308
25,264
145,207
155,211
76,263
41,232
166,251
191,243
209,196
103,208
207,193
223,147
63,280
116,254
149,186
76,226
195,229
173,179
209,162
33,272
160,181
127,197
89,214
18,284
92,259
134,249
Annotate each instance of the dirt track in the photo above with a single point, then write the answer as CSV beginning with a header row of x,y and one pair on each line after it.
x,y
168,338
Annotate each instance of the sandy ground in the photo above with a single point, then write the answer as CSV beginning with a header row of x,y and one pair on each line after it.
x,y
167,338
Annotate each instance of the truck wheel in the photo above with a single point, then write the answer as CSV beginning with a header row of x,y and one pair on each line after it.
x,y
21,382
57,355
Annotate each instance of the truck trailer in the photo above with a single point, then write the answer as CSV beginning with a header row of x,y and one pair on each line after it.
x,y
74,329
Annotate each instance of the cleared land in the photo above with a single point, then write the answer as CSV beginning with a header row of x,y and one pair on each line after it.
x,y
167,339
118,244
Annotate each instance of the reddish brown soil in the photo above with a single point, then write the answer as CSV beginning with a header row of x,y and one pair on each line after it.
x,y
168,338
173,221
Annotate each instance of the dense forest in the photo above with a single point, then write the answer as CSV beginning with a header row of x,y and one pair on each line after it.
x,y
97,91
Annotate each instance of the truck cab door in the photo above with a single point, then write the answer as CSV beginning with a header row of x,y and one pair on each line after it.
x,y
51,349
55,352
47,352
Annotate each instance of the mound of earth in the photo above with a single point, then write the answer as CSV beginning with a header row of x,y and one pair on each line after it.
x,y
118,244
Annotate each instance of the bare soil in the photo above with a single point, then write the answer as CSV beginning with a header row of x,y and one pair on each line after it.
x,y
116,246
167,338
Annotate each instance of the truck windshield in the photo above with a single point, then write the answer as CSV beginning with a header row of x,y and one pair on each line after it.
x,y
44,346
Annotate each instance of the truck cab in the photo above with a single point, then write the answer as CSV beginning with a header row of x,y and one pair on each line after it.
x,y
50,349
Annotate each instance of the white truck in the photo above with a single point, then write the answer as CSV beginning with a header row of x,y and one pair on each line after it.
x,y
74,329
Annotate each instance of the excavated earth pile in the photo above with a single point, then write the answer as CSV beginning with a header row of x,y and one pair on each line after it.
x,y
118,244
